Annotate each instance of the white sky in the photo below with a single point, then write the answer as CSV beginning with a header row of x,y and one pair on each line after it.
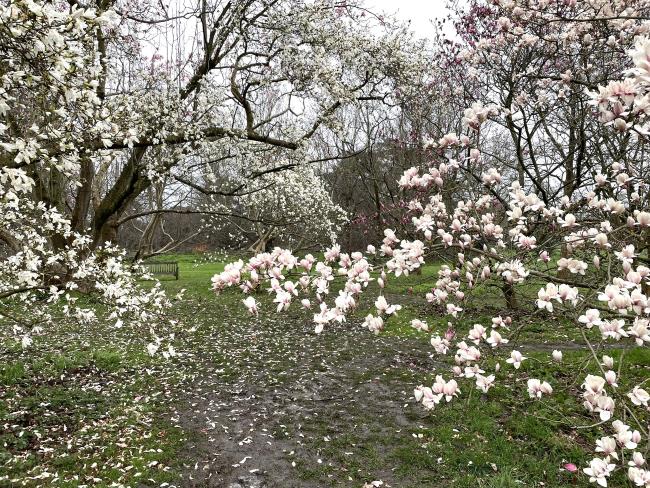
x,y
419,12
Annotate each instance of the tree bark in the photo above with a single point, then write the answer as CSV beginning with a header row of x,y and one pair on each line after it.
x,y
509,295
82,201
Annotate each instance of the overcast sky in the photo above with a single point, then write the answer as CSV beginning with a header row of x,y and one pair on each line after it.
x,y
419,12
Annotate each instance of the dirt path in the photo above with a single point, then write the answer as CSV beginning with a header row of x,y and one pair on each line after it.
x,y
265,412
268,404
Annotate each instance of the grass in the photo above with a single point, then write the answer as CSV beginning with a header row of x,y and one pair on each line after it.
x,y
81,416
92,408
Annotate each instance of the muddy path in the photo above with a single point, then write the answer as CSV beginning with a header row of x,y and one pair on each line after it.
x,y
264,398
267,403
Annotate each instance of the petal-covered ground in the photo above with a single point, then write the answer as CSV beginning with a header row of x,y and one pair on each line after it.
x,y
264,402
270,398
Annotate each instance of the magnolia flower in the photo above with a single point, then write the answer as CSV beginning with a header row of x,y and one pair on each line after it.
x,y
440,345
557,355
605,407
625,437
472,371
639,396
568,221
627,254
484,383
504,24
643,219
640,477
389,237
374,324
491,177
419,325
283,299
467,353
448,140
291,287
601,240
637,460
514,271
477,333
446,389
545,295
426,396
590,318
607,445
384,308
453,309
516,358
332,253
594,385
614,329
495,339
575,266
536,388
320,320
608,362
599,470
251,305
640,332
596,261
501,322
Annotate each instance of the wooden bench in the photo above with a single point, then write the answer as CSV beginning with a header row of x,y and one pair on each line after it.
x,y
162,269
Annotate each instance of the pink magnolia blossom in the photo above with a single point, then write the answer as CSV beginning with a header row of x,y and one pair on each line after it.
x,y
516,358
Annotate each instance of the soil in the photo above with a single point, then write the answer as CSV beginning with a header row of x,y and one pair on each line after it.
x,y
252,411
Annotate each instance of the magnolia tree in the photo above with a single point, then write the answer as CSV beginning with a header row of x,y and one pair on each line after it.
x,y
585,253
90,120
293,207
538,63
45,260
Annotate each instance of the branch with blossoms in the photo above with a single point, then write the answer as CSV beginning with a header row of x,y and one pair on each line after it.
x,y
585,254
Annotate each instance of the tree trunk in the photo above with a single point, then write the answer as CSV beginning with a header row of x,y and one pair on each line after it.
x,y
129,185
107,233
645,286
82,202
509,295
